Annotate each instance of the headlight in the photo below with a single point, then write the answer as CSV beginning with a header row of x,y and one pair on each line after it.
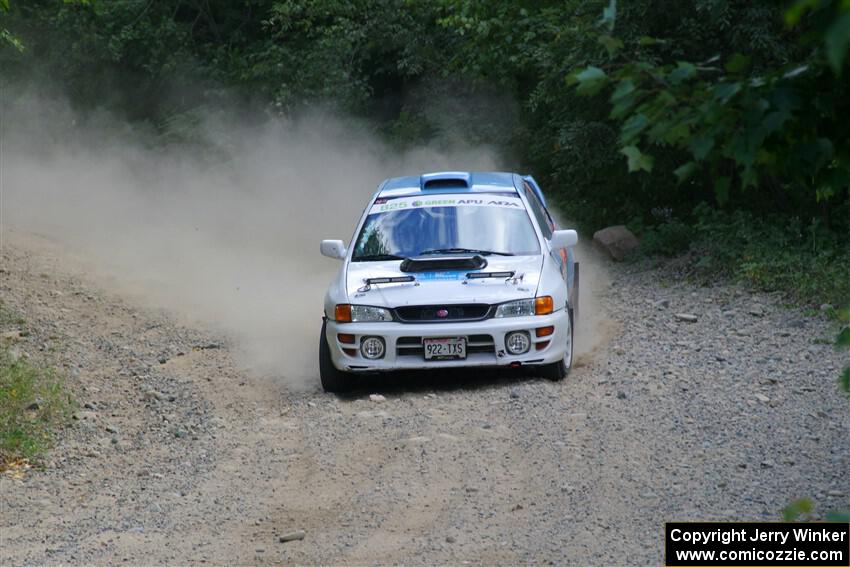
x,y
365,313
524,307
521,308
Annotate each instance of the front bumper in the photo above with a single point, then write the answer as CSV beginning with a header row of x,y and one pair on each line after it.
x,y
485,343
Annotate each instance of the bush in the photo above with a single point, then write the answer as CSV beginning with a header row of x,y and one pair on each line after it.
x,y
803,259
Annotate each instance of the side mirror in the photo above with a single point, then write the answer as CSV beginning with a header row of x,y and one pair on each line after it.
x,y
564,238
333,249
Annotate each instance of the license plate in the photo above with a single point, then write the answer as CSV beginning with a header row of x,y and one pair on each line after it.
x,y
444,349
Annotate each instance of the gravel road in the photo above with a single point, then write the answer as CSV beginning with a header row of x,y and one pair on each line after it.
x,y
176,456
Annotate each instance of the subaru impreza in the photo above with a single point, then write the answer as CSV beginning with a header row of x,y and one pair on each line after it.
x,y
451,269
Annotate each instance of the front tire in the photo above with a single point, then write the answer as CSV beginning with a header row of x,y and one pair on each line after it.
x,y
557,371
333,380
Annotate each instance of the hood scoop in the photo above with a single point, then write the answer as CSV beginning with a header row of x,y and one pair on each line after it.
x,y
443,263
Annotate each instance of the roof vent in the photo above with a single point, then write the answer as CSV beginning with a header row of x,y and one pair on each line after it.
x,y
445,180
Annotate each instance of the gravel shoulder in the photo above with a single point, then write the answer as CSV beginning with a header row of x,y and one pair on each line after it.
x,y
177,456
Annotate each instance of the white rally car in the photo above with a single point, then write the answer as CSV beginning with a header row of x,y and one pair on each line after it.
x,y
451,269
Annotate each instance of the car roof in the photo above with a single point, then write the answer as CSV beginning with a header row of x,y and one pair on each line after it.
x,y
450,182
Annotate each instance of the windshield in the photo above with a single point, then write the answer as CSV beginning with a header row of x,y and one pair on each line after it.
x,y
446,224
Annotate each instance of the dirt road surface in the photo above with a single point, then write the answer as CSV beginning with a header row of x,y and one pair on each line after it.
x,y
176,456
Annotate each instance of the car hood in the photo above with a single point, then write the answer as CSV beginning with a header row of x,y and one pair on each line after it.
x,y
444,287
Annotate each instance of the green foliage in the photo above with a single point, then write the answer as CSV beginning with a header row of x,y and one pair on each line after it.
x,y
33,403
795,510
808,262
745,123
670,238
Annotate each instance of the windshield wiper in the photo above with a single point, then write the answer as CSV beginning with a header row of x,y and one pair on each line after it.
x,y
377,257
464,251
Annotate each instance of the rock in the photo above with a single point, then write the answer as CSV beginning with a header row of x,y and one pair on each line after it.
x,y
616,241
371,414
825,307
662,303
621,395
12,336
151,394
33,407
292,536
377,398
756,310
686,317
15,354
110,429
162,360
450,539
84,415
762,398
514,394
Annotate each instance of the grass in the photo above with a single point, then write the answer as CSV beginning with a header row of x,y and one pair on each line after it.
x,y
33,404
807,262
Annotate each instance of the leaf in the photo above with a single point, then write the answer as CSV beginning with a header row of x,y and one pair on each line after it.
x,y
749,178
796,509
721,190
647,40
723,92
624,88
679,131
609,15
843,338
683,172
682,72
637,161
632,128
738,63
590,80
837,41
844,380
4,5
700,147
612,44
796,11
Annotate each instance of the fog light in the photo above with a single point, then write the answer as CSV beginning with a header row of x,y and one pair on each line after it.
x,y
517,342
372,347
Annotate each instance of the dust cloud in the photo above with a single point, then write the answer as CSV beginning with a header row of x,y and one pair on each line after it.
x,y
224,233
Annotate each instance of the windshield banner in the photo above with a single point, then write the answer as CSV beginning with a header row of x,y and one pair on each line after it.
x,y
382,205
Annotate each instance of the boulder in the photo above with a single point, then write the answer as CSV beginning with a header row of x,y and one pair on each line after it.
x,y
616,241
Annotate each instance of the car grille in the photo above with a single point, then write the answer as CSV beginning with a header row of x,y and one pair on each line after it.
x,y
430,313
412,346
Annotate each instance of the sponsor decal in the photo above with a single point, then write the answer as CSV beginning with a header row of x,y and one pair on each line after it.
x,y
391,206
441,276
383,204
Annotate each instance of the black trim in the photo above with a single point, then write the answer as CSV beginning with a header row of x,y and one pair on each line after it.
x,y
482,275
443,263
467,311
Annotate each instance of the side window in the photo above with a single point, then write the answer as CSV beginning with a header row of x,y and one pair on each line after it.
x,y
539,212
